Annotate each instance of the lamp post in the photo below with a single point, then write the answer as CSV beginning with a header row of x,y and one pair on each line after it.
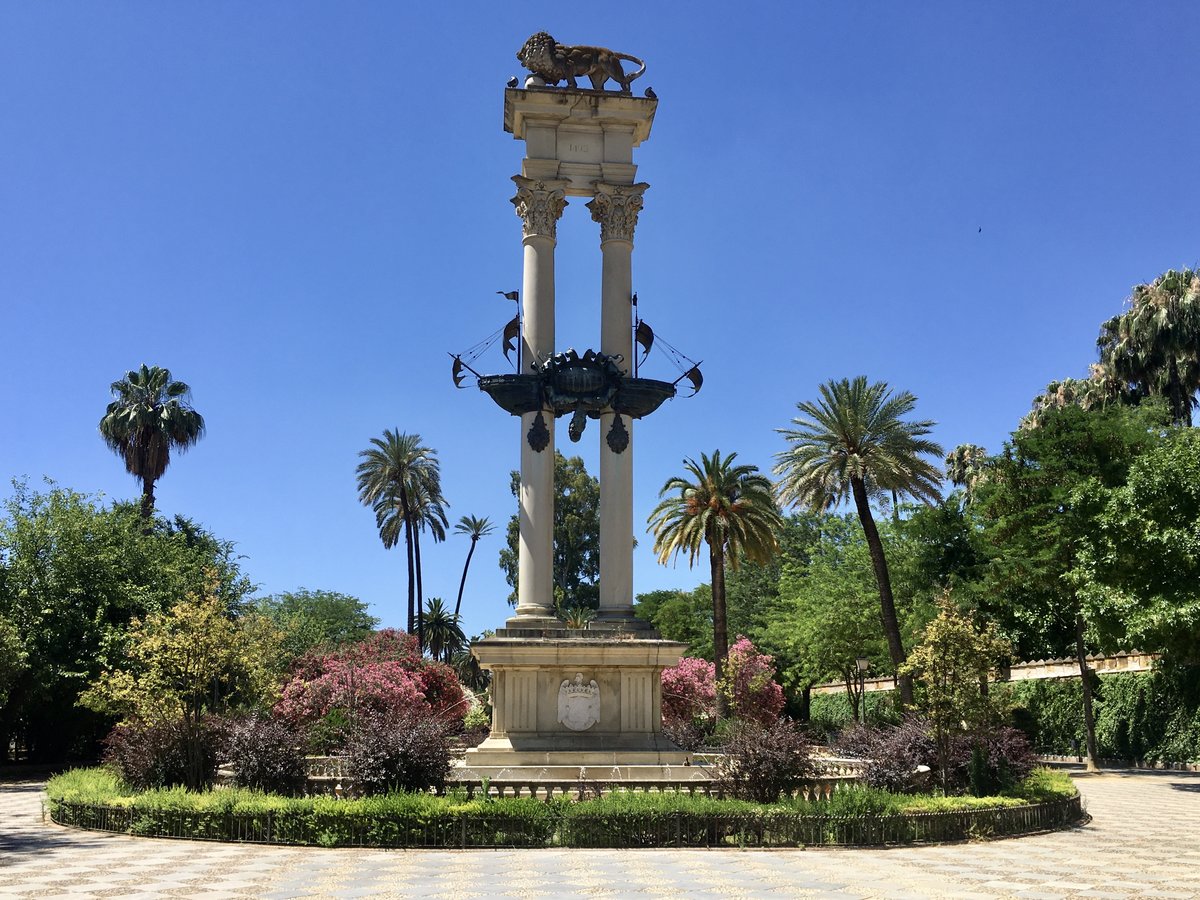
x,y
863,664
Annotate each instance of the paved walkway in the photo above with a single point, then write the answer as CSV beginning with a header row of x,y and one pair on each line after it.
x,y
1144,841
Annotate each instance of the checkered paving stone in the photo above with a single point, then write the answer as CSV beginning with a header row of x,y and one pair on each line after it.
x,y
1141,843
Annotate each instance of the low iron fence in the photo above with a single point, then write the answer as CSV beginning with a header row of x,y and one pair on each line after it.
x,y
546,826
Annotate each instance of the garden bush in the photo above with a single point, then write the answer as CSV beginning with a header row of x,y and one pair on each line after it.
x,y
828,714
764,762
163,754
990,760
330,693
265,754
404,752
894,754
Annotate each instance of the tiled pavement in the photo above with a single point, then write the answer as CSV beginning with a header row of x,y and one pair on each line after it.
x,y
1144,841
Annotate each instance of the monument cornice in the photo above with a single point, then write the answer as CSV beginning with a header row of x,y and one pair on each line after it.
x,y
556,106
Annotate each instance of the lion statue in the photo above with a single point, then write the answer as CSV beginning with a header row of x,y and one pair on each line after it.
x,y
554,62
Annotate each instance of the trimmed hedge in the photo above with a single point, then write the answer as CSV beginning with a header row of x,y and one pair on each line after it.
x,y
1139,716
95,799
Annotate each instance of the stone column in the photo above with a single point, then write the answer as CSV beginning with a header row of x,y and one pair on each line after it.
x,y
616,208
539,204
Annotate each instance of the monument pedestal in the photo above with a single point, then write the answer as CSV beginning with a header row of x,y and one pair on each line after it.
x,y
575,704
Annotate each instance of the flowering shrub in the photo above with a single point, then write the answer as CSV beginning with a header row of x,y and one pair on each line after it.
x,y
331,694
689,693
750,684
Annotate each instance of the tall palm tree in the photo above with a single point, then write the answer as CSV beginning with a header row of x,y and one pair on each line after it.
x,y
474,529
965,465
443,634
395,471
727,507
428,512
1155,346
150,416
850,442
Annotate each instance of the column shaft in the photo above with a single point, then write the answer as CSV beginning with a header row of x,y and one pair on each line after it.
x,y
535,553
539,203
616,469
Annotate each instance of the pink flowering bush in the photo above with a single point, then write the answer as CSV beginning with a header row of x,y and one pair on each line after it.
x,y
689,693
754,696
384,678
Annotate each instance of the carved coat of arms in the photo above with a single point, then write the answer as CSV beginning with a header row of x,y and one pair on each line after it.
x,y
578,703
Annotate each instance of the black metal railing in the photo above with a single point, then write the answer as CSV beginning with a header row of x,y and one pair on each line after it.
x,y
545,826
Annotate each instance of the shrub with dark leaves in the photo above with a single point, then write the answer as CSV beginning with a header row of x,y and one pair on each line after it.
x,y
989,761
689,734
164,754
405,753
764,762
894,754
265,753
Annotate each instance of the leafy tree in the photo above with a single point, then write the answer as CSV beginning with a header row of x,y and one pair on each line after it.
x,y
474,528
13,657
310,619
822,621
443,634
149,418
186,661
728,508
73,573
684,616
400,479
1138,570
1039,507
953,662
853,442
576,536
1155,346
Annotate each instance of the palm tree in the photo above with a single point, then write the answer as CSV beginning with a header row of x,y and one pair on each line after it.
x,y
149,417
727,507
395,472
444,635
852,442
1155,346
428,512
474,529
965,466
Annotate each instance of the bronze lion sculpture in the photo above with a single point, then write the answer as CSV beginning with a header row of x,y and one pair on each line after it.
x,y
555,62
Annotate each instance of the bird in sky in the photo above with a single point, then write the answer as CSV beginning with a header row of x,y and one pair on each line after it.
x,y
650,93
512,82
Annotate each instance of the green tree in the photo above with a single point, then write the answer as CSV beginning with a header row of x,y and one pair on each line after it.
x,y
1038,507
728,508
192,659
953,663
851,443
73,572
311,619
14,659
576,536
400,479
1155,345
149,418
474,528
1138,569
443,632
684,616
965,465
824,618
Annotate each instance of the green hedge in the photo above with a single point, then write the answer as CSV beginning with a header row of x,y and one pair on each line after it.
x,y
95,799
1144,716
830,713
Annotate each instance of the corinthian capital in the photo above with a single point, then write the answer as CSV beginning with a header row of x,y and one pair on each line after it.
x,y
539,204
616,208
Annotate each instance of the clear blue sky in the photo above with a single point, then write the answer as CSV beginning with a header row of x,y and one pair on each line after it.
x,y
299,208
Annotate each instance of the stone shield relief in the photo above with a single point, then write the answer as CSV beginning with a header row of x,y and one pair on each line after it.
x,y
578,703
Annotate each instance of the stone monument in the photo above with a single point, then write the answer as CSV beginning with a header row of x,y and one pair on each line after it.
x,y
576,703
